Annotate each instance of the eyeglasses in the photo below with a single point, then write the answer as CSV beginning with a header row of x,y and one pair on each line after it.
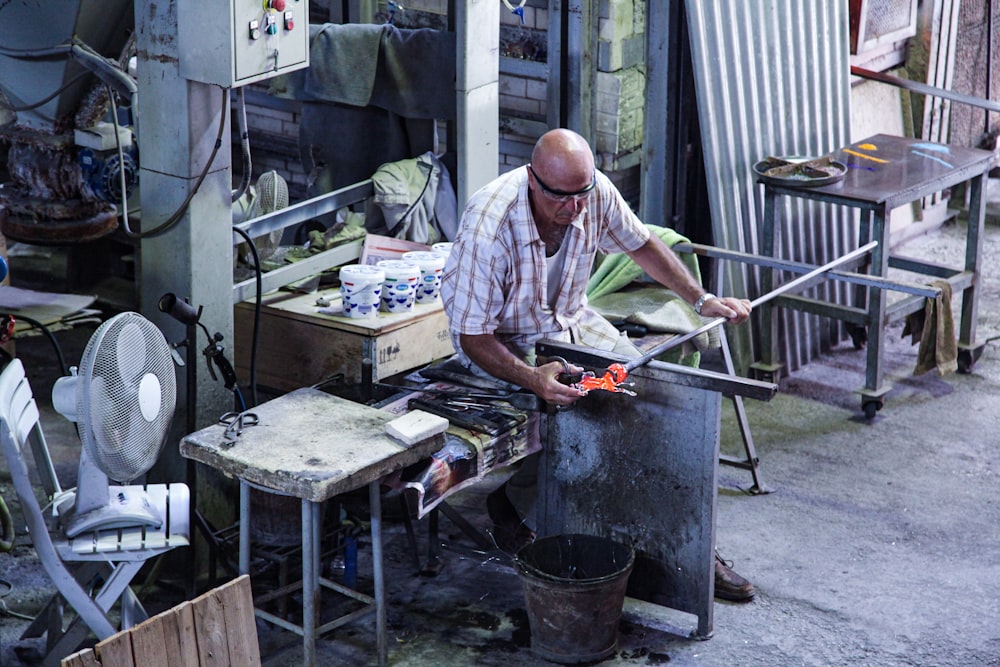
x,y
562,195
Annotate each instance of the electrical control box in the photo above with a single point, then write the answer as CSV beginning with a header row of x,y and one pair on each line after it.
x,y
234,43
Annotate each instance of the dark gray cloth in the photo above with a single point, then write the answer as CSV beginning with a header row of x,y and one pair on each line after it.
x,y
343,60
407,72
340,144
416,73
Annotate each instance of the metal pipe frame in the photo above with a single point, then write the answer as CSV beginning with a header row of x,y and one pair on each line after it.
x,y
295,214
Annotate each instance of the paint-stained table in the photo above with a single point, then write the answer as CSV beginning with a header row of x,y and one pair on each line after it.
x,y
312,446
886,172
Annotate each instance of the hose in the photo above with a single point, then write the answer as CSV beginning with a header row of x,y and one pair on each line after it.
x,y
6,528
241,114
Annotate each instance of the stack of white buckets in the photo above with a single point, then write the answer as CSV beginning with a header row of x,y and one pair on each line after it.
x,y
393,285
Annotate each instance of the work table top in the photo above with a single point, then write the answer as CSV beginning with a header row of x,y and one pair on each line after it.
x,y
309,444
892,171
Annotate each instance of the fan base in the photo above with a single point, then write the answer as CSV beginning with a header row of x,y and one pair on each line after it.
x,y
128,507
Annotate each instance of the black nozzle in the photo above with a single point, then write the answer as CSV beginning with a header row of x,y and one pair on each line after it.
x,y
180,310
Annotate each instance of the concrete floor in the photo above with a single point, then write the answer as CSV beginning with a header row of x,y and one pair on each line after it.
x,y
877,545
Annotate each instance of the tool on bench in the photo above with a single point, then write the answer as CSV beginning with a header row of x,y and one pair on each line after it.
x,y
615,374
521,400
484,416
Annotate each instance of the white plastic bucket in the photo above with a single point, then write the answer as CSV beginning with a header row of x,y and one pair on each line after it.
x,y
361,290
431,265
399,289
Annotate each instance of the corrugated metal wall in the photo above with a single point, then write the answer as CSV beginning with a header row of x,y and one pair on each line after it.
x,y
772,78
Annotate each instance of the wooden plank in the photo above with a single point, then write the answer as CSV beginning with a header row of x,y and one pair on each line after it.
x,y
115,651
149,646
210,629
179,635
241,628
85,658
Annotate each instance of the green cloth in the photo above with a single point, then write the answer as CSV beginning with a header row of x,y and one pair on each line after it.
x,y
616,271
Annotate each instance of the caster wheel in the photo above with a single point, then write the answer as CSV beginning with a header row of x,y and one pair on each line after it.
x,y
871,408
967,359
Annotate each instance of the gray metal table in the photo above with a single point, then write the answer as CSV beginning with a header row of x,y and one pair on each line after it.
x,y
885,172
313,446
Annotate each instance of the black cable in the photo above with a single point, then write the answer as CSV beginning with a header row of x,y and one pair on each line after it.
x,y
241,115
256,312
35,324
6,528
179,213
46,99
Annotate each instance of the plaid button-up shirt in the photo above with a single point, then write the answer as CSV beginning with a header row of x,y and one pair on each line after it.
x,y
495,281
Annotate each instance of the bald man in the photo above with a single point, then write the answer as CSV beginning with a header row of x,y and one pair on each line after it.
x,y
518,273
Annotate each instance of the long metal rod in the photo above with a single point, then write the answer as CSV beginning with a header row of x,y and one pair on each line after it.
x,y
925,89
764,298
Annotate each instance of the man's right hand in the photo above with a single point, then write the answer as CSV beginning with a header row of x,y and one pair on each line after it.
x,y
546,384
543,381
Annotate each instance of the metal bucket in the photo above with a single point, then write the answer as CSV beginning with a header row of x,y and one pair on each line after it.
x,y
574,588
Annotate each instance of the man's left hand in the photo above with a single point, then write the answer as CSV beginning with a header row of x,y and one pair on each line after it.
x,y
736,311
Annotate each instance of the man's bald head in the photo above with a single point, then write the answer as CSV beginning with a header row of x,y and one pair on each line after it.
x,y
564,160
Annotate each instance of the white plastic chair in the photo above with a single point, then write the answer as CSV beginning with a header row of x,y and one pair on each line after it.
x,y
92,571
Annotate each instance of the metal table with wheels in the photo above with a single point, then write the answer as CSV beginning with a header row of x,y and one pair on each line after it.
x,y
884,173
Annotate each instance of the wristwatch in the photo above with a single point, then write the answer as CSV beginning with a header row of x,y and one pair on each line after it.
x,y
701,301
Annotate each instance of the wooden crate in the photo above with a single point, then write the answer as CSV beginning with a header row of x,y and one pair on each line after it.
x,y
299,346
216,629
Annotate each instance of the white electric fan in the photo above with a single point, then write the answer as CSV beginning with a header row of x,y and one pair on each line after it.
x,y
122,397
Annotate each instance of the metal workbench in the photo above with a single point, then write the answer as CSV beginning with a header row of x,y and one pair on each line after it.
x,y
884,172
642,470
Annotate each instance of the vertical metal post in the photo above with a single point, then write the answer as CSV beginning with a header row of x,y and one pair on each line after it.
x,y
244,527
580,67
660,138
768,365
877,302
554,81
381,633
973,253
310,588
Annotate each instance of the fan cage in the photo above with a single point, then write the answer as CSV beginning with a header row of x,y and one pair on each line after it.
x,y
123,353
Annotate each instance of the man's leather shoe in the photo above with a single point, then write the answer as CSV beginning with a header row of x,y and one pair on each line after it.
x,y
729,585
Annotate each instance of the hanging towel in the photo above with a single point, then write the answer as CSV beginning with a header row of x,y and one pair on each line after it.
x,y
935,327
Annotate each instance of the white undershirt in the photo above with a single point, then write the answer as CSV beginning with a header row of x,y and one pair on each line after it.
x,y
554,266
